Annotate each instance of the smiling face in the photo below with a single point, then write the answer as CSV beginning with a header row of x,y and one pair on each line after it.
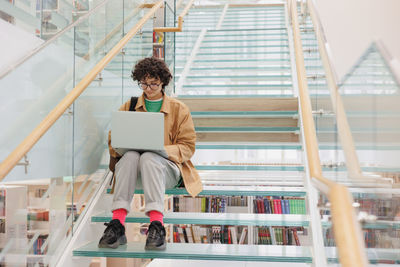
x,y
152,88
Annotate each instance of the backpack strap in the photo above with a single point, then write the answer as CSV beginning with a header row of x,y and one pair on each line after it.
x,y
134,100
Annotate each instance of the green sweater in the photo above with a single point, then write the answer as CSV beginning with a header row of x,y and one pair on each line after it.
x,y
153,105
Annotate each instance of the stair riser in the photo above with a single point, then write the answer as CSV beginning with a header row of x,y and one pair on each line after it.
x,y
368,137
244,122
246,137
241,104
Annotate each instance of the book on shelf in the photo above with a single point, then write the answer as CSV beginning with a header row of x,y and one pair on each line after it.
x,y
213,204
279,205
158,52
210,234
38,244
35,262
277,235
2,225
38,193
243,236
199,204
2,202
38,215
158,38
237,201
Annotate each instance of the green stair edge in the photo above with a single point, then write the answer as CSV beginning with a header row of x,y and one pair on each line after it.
x,y
201,218
203,252
230,192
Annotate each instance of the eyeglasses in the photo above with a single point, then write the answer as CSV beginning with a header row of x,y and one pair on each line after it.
x,y
152,86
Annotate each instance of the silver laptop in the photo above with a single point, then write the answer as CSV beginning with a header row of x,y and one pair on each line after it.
x,y
138,131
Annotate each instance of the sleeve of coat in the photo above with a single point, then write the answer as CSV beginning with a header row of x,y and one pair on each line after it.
x,y
185,144
113,153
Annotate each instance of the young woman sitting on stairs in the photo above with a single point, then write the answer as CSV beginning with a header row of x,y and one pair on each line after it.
x,y
151,171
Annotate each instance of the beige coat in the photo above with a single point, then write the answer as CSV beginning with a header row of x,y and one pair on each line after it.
x,y
179,139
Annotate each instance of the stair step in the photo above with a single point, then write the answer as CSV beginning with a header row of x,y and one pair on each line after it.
x,y
213,263
279,136
240,68
247,104
237,191
229,252
264,182
245,121
228,94
258,114
250,146
250,167
245,86
247,129
293,220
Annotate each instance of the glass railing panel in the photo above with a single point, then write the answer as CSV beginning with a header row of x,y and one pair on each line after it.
x,y
139,47
248,156
21,13
37,86
45,18
56,15
370,92
330,152
73,150
169,45
377,211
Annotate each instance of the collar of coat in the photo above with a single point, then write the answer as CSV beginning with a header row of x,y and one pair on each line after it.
x,y
165,108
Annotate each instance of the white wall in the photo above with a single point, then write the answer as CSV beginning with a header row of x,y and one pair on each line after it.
x,y
351,25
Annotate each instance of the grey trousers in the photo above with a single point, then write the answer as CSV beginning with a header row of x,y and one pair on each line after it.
x,y
149,171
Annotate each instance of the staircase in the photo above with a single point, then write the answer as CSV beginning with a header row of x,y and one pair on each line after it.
x,y
238,86
234,68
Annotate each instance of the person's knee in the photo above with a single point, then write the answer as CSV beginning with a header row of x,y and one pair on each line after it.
x,y
149,159
131,156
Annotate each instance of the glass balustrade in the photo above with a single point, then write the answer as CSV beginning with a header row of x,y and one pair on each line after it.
x,y
45,197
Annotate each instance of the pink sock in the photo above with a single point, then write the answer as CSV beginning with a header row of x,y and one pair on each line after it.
x,y
120,214
156,216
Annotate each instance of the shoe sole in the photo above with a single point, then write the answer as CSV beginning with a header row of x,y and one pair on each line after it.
x,y
120,241
162,247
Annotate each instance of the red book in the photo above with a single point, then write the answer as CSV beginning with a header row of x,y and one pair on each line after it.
x,y
279,204
262,205
276,209
259,206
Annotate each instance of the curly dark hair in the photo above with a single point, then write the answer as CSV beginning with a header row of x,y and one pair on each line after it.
x,y
152,67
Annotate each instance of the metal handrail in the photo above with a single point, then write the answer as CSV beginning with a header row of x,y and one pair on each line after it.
x,y
347,230
14,157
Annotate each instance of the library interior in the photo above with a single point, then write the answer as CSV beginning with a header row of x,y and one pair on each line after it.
x,y
293,106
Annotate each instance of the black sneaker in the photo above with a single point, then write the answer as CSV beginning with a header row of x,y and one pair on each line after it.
x,y
155,236
113,236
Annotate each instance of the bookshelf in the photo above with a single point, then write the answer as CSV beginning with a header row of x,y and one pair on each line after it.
x,y
274,206
381,223
158,45
13,223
